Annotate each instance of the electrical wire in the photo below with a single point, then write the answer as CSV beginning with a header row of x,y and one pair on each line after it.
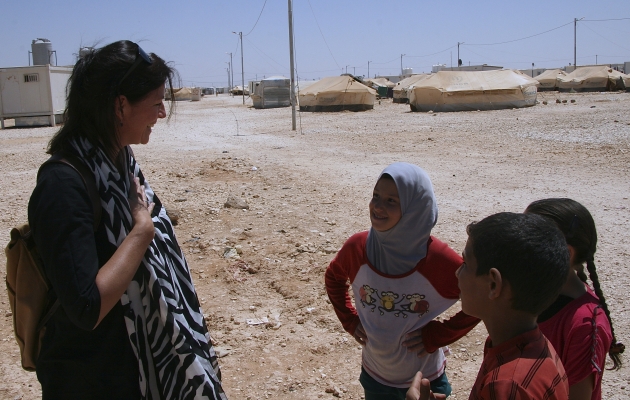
x,y
386,62
320,31
269,57
432,54
605,38
610,19
237,44
517,40
261,11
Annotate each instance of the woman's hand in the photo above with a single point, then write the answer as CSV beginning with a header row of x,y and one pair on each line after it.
x,y
359,335
413,342
141,209
113,278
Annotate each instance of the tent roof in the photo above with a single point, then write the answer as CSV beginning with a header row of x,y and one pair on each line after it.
x,y
462,81
550,74
405,83
336,84
582,73
380,82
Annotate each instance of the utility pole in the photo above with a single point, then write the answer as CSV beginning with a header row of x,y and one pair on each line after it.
x,y
369,69
232,71
574,42
532,70
354,71
459,60
240,35
292,97
575,20
347,68
229,70
401,68
595,59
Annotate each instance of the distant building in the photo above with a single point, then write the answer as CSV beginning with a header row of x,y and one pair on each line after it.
x,y
623,67
392,78
482,67
534,72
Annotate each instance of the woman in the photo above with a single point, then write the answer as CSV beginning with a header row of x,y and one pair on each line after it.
x,y
129,325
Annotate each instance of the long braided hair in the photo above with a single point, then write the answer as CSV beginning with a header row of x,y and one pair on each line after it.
x,y
578,226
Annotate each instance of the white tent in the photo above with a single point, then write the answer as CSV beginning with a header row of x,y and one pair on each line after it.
x,y
472,90
238,90
400,90
549,79
337,93
592,79
375,82
184,94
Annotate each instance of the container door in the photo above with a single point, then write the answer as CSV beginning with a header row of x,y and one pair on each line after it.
x,y
10,88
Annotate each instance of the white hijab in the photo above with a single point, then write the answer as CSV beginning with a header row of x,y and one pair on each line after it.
x,y
399,249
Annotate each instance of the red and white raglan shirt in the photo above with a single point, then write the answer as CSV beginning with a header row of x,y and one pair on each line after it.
x,y
389,307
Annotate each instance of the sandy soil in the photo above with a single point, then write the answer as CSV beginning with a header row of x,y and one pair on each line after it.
x,y
308,191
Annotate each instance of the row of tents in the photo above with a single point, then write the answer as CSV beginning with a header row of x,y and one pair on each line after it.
x,y
596,78
458,90
441,91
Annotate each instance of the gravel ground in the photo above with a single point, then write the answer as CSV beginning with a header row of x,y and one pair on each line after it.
x,y
308,191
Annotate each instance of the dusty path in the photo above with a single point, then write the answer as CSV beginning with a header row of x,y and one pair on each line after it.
x,y
308,193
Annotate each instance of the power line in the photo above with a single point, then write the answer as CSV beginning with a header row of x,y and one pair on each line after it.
x,y
609,19
237,44
386,62
605,38
261,11
432,54
269,57
516,40
320,31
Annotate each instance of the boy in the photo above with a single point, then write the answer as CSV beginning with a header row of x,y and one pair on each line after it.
x,y
514,266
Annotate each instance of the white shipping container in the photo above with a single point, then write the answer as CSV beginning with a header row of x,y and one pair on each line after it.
x,y
272,92
34,91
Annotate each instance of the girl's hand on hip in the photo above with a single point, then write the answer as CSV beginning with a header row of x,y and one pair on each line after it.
x,y
359,335
413,342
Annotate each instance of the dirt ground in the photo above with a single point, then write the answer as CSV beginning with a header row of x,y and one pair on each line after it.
x,y
308,191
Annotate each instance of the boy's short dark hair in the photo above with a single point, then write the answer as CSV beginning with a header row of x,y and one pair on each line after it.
x,y
528,250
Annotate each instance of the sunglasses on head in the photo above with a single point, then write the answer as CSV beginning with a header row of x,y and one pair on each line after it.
x,y
140,57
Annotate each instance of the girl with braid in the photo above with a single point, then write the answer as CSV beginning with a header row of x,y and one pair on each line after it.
x,y
578,323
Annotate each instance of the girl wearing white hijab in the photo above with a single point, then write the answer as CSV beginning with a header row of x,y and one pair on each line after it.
x,y
402,278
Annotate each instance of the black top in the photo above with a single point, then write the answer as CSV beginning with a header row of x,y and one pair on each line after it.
x,y
77,361
555,307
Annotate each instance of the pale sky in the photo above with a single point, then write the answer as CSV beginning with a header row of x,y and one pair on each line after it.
x,y
330,36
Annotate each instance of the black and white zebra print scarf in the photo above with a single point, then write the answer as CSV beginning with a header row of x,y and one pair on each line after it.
x,y
164,320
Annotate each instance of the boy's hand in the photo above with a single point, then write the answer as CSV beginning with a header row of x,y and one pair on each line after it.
x,y
413,343
360,335
421,390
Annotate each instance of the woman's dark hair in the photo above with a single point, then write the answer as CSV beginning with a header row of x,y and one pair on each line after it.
x,y
578,226
96,82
